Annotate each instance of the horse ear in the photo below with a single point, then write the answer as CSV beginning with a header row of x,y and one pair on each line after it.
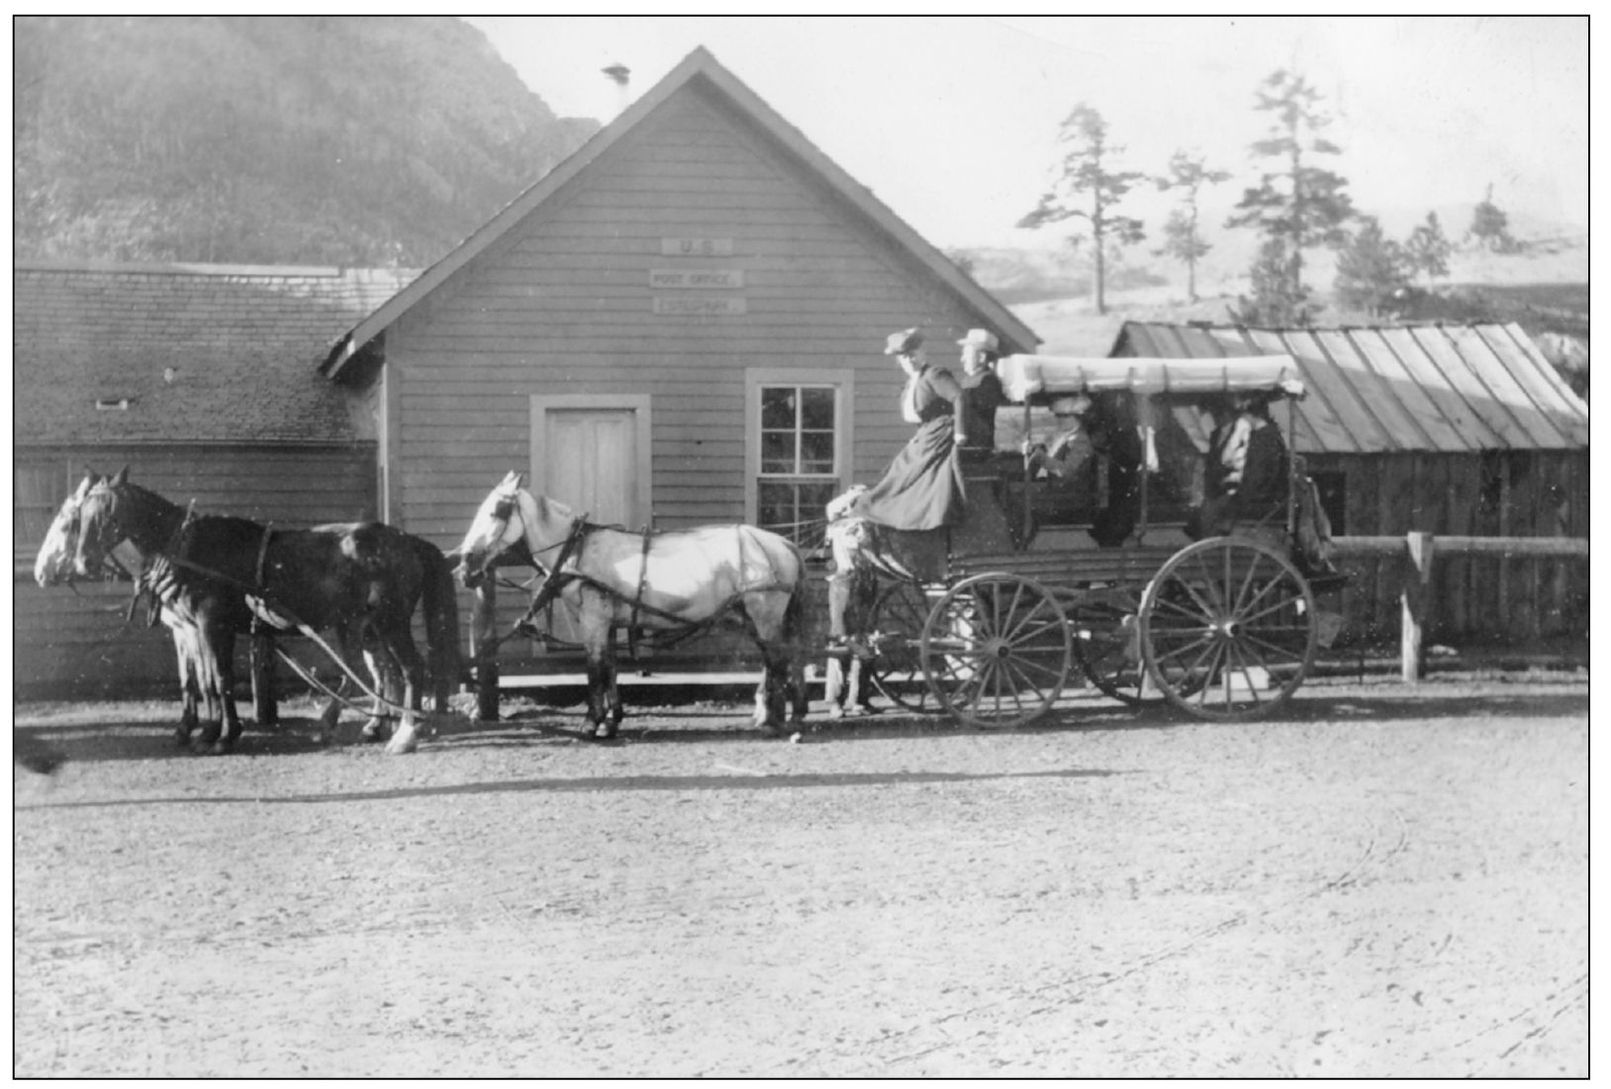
x,y
511,477
85,485
120,477
520,479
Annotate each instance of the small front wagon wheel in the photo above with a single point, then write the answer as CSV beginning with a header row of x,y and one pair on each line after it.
x,y
996,650
897,624
1228,629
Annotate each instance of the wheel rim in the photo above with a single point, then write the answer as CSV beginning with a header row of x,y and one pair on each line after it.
x,y
1107,643
897,671
996,650
1228,629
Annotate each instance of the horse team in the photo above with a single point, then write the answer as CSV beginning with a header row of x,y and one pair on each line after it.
x,y
211,578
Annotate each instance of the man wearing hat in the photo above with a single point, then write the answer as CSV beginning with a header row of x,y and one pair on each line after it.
x,y
981,395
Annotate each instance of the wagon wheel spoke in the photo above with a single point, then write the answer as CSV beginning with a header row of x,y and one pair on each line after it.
x,y
1246,612
1186,648
1274,648
1233,650
1205,607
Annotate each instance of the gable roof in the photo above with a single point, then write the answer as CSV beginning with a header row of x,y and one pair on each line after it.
x,y
238,342
699,65
1387,389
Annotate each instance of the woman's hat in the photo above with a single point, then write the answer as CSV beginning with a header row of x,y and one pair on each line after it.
x,y
907,340
980,338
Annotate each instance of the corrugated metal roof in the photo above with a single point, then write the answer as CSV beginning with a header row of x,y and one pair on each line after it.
x,y
241,344
1443,388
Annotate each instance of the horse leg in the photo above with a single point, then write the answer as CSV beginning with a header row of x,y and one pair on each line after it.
x,y
613,711
833,690
189,682
383,674
800,697
407,661
330,717
226,691
603,700
604,709
209,667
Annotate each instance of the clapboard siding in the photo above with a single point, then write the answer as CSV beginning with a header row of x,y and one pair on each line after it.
x,y
555,297
549,315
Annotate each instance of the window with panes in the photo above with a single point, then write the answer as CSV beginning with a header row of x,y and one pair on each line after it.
x,y
799,459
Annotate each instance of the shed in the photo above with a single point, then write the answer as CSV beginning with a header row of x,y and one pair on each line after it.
x,y
681,324
1450,429
200,378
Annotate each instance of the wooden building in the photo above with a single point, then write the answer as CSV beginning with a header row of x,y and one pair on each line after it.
x,y
202,379
681,324
1459,430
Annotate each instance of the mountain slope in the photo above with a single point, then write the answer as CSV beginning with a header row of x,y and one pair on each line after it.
x,y
291,140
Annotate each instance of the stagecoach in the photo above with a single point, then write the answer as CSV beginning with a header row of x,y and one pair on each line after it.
x,y
1023,603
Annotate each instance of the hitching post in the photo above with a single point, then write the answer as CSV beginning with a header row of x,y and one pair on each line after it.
x,y
484,648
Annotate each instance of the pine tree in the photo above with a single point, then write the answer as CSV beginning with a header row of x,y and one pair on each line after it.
x,y
1491,227
1182,238
1298,203
1279,297
1371,269
1429,249
1088,188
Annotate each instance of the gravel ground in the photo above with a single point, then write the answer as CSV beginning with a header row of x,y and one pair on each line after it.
x,y
1385,881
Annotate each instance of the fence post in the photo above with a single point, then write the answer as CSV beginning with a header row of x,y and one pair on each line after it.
x,y
265,708
1417,605
484,649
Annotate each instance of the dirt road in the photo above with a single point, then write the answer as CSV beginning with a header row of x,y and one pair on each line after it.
x,y
1386,882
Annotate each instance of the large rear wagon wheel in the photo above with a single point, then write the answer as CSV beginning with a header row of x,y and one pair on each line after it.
x,y
997,650
1228,629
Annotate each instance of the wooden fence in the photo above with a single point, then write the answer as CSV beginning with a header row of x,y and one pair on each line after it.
x,y
1419,549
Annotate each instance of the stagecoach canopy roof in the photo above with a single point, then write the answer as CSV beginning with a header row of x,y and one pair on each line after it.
x,y
1024,376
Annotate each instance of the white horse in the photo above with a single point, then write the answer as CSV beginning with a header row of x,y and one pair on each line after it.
x,y
676,582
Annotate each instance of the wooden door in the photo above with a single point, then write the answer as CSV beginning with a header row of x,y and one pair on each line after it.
x,y
592,455
589,462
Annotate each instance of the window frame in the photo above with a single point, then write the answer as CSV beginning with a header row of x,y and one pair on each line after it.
x,y
842,382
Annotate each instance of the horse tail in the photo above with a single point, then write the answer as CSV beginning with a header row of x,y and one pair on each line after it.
x,y
795,612
441,622
796,624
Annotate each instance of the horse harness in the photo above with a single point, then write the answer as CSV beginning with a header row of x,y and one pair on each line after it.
x,y
556,579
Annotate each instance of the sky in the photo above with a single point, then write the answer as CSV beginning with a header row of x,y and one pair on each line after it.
x,y
952,121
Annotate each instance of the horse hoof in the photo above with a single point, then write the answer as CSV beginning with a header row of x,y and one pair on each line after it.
x,y
374,730
393,748
221,747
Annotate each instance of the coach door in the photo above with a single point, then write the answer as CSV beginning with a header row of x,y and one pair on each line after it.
x,y
592,454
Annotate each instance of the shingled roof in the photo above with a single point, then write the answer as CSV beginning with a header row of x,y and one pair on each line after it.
x,y
1386,389
199,353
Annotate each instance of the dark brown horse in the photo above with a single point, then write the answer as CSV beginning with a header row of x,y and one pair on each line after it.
x,y
215,574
